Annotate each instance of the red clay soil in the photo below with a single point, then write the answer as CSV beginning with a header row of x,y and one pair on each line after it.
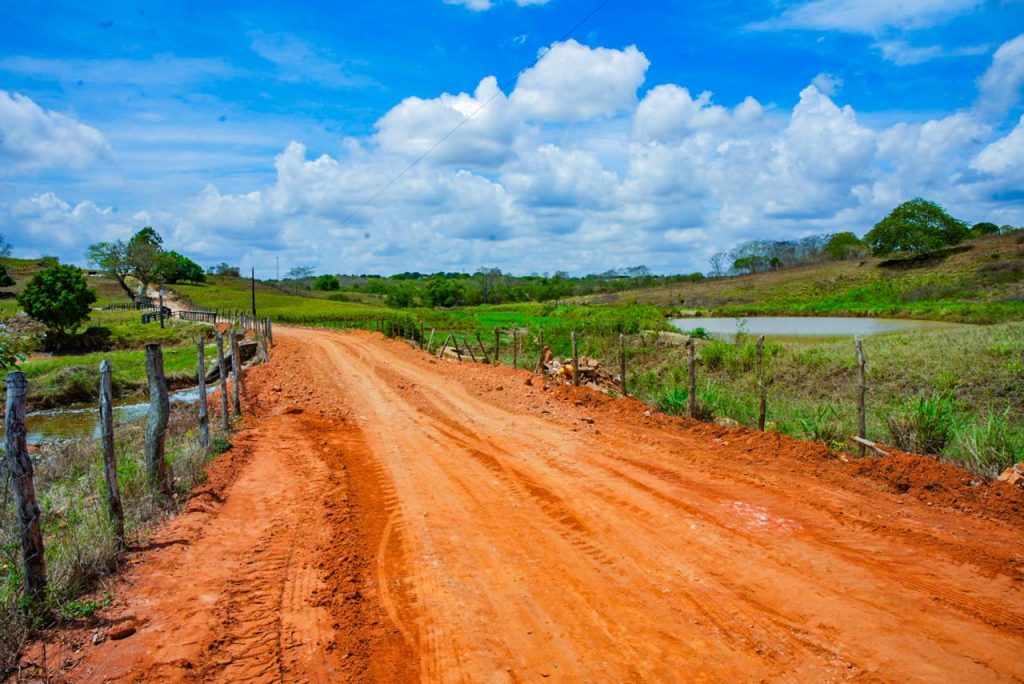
x,y
386,516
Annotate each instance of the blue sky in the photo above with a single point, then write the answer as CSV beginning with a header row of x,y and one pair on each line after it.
x,y
659,134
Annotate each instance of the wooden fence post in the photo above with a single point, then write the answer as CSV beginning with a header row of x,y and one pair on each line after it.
x,y
222,367
762,405
19,466
497,346
236,368
109,455
430,342
515,348
575,362
691,369
204,414
622,363
862,389
159,413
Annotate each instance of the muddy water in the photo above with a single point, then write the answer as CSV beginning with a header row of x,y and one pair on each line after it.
x,y
807,327
46,426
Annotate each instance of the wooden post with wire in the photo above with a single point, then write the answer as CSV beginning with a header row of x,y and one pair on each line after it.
x,y
862,390
236,368
691,370
575,362
223,368
156,426
204,414
622,363
19,468
114,507
762,405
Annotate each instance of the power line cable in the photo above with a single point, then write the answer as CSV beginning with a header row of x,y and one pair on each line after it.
x,y
500,91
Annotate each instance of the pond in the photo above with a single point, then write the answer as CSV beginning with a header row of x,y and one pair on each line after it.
x,y
807,327
67,423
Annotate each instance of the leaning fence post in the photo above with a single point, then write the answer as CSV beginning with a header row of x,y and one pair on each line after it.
x,y
236,368
497,346
575,362
622,363
222,368
691,370
762,408
862,389
204,414
159,413
109,456
431,340
19,466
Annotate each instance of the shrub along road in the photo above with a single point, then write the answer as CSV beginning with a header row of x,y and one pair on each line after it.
x,y
385,516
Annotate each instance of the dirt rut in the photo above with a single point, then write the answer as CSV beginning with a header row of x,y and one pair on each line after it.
x,y
392,517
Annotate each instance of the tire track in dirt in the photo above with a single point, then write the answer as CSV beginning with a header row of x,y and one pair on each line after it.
x,y
443,522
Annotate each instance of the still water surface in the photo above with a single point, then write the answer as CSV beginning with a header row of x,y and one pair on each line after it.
x,y
807,326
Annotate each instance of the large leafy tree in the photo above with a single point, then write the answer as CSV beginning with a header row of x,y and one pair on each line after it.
x,y
178,268
145,254
917,226
112,257
59,298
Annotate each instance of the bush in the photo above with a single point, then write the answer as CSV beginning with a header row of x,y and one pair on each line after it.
x,y
326,283
923,425
990,445
59,298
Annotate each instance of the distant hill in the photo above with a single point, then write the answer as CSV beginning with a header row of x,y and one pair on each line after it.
x,y
981,281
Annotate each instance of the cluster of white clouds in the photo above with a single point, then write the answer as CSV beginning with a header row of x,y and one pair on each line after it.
x,y
576,168
33,139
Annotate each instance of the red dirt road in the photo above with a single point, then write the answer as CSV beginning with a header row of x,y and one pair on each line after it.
x,y
386,516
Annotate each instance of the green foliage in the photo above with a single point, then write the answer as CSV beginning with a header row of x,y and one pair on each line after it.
x,y
223,269
219,445
326,283
5,278
59,298
81,608
822,424
984,228
444,292
923,425
844,245
178,268
915,227
401,296
989,444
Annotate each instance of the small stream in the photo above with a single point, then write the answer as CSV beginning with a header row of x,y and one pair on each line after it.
x,y
84,421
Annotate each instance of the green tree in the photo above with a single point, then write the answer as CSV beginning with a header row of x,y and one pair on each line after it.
x,y
444,292
225,269
984,228
178,268
59,298
844,246
326,283
112,257
917,226
5,278
145,252
401,296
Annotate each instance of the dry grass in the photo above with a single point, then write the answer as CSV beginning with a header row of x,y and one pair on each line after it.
x,y
80,546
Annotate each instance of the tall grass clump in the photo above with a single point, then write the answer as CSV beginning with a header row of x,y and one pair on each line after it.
x,y
923,425
988,445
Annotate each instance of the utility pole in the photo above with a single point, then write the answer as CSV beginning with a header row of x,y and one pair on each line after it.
x,y
253,292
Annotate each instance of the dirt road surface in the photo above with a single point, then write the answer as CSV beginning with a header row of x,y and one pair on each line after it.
x,y
386,516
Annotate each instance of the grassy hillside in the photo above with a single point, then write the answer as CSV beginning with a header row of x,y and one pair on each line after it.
x,y
979,282
223,292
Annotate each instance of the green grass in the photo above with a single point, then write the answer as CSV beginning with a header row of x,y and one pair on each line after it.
x,y
982,284
959,394
66,380
225,293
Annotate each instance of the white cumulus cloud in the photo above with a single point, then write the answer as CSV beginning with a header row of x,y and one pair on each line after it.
x,y
35,139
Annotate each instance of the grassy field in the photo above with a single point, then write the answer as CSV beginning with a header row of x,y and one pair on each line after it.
x,y
226,293
984,283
